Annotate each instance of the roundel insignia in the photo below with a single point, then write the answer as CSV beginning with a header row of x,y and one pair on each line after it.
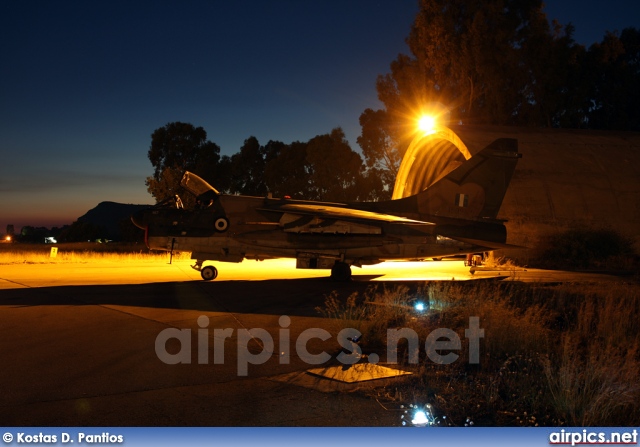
x,y
221,224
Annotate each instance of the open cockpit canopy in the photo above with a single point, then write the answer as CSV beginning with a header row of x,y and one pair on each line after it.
x,y
198,187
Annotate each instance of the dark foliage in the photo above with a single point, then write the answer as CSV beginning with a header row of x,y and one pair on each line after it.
x,y
585,249
80,231
501,62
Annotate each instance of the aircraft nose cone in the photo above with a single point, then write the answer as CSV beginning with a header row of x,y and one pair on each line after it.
x,y
139,219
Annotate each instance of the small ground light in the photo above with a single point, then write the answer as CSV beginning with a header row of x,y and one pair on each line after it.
x,y
420,419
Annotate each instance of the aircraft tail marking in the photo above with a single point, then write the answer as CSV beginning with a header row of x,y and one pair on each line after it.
x,y
477,187
474,190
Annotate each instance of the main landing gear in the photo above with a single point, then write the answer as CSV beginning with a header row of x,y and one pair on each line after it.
x,y
208,273
341,271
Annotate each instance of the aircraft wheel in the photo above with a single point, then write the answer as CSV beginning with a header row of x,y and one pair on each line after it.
x,y
341,271
209,273
221,224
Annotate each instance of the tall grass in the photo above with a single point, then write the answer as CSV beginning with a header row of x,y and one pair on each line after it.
x,y
85,256
509,328
371,314
551,355
594,377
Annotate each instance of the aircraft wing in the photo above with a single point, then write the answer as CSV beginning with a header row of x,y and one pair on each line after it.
x,y
336,212
488,244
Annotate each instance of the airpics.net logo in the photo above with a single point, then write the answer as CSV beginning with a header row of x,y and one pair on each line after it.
x,y
591,437
438,341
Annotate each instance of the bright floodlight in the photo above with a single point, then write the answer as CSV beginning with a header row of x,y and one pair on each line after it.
x,y
419,306
420,419
427,124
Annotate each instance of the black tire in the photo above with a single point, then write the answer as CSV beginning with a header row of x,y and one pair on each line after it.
x,y
341,271
221,224
209,273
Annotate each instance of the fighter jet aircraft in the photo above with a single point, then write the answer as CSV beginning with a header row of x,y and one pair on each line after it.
x,y
456,215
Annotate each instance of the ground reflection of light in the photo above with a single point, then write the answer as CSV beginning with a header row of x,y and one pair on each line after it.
x,y
445,270
417,271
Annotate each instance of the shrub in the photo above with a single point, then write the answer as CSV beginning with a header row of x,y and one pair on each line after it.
x,y
551,355
585,249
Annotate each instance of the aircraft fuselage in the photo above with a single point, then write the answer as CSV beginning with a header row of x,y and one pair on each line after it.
x,y
258,229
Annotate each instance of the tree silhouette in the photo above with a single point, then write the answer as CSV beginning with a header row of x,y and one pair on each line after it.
x,y
335,170
615,82
381,158
175,148
248,166
287,174
500,62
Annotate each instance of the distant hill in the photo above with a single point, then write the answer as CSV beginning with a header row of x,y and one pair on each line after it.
x,y
109,216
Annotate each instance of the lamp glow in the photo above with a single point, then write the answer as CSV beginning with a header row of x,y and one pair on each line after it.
x,y
420,419
427,124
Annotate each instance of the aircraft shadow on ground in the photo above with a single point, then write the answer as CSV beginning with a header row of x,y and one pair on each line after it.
x,y
279,297
299,297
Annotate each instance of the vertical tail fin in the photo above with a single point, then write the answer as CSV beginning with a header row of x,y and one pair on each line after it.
x,y
477,187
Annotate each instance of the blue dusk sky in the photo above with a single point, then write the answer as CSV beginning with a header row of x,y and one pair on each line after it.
x,y
84,84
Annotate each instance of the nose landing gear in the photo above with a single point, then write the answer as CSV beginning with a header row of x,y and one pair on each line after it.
x,y
208,273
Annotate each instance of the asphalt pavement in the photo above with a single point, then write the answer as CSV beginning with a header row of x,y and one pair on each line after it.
x,y
143,344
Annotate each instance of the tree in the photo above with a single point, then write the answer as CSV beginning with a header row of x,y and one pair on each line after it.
x,y
375,185
179,147
335,170
324,168
80,231
496,62
33,234
615,83
247,169
222,178
381,158
287,174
